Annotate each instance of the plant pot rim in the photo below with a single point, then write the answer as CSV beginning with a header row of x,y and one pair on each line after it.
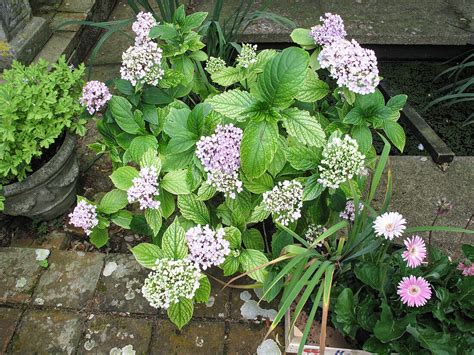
x,y
51,167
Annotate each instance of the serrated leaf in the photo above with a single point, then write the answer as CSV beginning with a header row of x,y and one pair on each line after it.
x,y
204,291
304,127
113,201
233,236
122,218
140,145
121,110
258,147
176,182
395,133
312,189
122,177
227,76
363,136
259,214
253,239
206,191
250,259
181,313
154,219
302,37
99,237
193,209
174,242
312,89
282,76
146,254
235,104
230,265
150,159
302,158
258,185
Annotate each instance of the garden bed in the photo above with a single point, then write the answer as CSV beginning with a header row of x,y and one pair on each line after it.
x,y
416,80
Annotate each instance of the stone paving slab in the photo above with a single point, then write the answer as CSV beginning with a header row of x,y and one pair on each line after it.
x,y
19,273
47,332
9,318
218,306
70,279
197,337
368,21
418,184
104,333
244,339
119,287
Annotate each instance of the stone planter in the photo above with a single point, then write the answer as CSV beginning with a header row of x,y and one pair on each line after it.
x,y
335,342
49,191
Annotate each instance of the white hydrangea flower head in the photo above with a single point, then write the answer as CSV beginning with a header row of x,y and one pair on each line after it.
x,y
213,65
141,63
285,201
247,56
170,281
341,162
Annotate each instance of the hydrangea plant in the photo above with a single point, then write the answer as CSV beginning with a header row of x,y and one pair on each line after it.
x,y
245,158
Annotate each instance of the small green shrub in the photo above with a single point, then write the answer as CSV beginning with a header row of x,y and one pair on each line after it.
x,y
37,103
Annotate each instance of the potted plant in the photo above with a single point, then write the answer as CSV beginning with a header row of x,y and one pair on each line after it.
x,y
259,167
40,112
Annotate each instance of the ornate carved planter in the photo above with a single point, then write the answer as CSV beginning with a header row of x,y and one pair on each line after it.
x,y
49,191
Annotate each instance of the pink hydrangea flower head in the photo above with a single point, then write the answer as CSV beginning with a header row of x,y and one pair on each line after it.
x,y
84,216
415,252
414,291
141,63
390,225
467,270
207,248
142,26
331,29
144,189
351,65
95,95
220,156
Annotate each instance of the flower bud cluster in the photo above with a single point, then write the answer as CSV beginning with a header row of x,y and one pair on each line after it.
x,y
313,232
142,26
349,212
341,162
213,65
95,95
331,30
84,216
141,63
285,201
247,56
170,281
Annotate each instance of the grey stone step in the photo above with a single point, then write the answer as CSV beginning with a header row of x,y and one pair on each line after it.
x,y
432,22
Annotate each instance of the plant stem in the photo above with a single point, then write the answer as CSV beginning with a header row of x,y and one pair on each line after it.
x,y
456,254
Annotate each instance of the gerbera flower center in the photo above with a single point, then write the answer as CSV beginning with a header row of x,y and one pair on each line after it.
x,y
414,290
389,227
413,251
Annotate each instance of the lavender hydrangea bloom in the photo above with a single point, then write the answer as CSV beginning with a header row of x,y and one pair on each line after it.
x,y
220,155
142,26
351,65
285,201
142,63
144,189
95,95
206,247
330,31
349,211
84,216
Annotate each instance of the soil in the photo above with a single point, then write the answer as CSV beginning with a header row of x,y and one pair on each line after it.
x,y
416,80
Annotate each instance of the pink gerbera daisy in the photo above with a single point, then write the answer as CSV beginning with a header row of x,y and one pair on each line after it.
x,y
467,270
390,225
414,291
416,251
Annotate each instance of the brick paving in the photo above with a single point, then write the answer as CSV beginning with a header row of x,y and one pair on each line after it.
x,y
90,303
